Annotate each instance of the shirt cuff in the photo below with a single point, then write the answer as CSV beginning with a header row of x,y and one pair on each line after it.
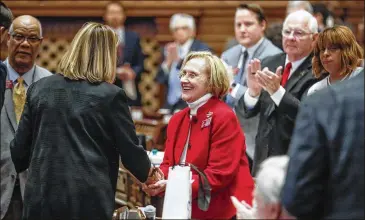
x,y
250,101
278,95
234,91
165,68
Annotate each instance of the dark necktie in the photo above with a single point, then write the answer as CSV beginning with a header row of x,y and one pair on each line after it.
x,y
120,55
242,69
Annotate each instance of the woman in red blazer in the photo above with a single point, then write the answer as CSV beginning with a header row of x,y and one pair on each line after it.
x,y
216,145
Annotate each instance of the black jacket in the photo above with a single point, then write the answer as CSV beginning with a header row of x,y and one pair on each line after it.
x,y
277,122
325,178
70,137
3,74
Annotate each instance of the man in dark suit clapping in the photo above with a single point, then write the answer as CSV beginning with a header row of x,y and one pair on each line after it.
x,y
130,56
278,103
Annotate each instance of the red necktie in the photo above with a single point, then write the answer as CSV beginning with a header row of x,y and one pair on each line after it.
x,y
285,75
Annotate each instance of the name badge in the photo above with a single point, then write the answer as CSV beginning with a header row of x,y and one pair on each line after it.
x,y
9,84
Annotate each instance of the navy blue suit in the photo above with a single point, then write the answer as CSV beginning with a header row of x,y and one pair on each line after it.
x,y
325,178
132,54
163,78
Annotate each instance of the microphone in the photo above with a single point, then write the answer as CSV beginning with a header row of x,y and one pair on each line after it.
x,y
189,145
194,119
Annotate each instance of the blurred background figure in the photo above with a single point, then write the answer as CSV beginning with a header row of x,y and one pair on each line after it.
x,y
6,17
337,54
207,134
325,177
268,185
273,32
323,16
129,53
74,128
24,41
250,24
298,5
182,27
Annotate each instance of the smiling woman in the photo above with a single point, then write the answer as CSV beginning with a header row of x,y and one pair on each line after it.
x,y
207,134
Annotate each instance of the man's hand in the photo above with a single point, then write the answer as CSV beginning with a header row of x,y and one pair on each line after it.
x,y
156,188
268,80
252,68
171,53
126,72
244,211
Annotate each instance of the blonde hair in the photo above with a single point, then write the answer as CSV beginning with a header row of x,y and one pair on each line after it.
x,y
218,82
92,54
343,38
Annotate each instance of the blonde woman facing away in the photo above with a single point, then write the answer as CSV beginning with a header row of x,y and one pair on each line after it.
x,y
74,128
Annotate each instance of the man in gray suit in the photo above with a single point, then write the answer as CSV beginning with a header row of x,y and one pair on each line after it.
x,y
24,40
250,24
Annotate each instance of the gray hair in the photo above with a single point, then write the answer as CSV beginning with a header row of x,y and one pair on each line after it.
x,y
311,21
270,178
186,18
297,5
11,29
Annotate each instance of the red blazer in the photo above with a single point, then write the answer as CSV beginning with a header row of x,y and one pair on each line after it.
x,y
216,148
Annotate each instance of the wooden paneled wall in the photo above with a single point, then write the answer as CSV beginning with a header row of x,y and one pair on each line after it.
x,y
214,18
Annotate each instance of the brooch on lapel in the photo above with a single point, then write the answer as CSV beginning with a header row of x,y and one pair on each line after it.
x,y
208,120
302,73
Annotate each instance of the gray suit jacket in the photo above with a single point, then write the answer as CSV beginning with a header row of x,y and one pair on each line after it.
x,y
248,125
8,128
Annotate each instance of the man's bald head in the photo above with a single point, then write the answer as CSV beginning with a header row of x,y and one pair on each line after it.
x,y
26,20
24,40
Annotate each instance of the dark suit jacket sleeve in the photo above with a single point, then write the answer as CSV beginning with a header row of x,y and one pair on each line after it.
x,y
137,64
304,189
20,147
133,156
289,104
3,74
248,113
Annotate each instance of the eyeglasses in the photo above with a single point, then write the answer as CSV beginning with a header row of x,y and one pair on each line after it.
x,y
331,49
21,38
296,33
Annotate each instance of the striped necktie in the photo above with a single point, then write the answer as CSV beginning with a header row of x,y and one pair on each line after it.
x,y
19,98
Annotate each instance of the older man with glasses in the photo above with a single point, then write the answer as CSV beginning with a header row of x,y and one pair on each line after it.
x,y
24,41
276,94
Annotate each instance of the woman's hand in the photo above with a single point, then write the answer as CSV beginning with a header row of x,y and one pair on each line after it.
x,y
155,188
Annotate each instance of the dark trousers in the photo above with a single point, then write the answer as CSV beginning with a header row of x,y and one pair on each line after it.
x,y
15,209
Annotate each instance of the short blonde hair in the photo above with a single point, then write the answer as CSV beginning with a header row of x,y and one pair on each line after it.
x,y
92,55
218,81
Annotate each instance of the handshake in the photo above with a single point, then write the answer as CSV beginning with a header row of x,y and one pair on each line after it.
x,y
155,183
